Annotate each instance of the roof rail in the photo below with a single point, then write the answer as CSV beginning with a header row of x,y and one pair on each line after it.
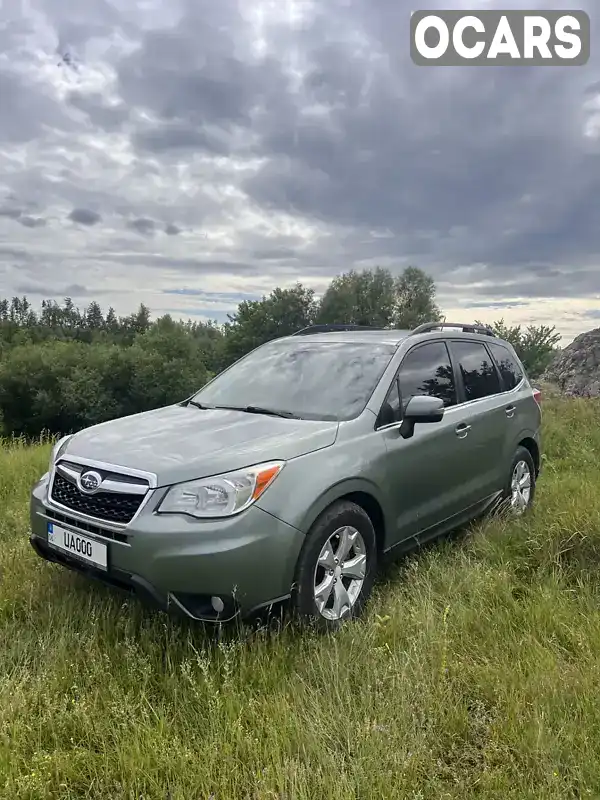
x,y
433,326
333,328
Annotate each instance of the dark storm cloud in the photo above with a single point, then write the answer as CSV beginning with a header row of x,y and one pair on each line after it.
x,y
32,222
195,266
8,253
52,290
425,150
166,138
11,213
172,230
84,216
176,78
526,282
275,254
456,151
200,81
142,225
219,297
460,166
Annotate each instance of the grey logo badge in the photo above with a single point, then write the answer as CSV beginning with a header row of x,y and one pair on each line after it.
x,y
89,482
499,38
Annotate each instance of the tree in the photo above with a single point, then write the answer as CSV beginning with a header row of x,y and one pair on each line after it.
x,y
138,322
93,317
415,299
373,297
359,298
211,342
111,322
21,313
536,346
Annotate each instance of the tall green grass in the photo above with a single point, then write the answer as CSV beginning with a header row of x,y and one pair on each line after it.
x,y
476,672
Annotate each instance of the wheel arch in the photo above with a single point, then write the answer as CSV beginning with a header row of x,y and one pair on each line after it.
x,y
530,444
365,495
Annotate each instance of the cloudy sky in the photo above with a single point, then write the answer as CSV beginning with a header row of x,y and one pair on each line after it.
x,y
191,153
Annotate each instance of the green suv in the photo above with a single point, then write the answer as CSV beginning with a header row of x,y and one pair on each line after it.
x,y
296,471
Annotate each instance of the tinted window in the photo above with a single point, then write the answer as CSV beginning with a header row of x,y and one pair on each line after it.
x,y
325,380
478,372
511,372
427,370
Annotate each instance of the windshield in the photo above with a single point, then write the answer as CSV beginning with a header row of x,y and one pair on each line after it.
x,y
325,380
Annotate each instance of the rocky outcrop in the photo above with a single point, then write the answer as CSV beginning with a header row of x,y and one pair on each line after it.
x,y
576,370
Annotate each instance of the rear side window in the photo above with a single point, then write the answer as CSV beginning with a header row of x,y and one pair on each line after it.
x,y
427,370
478,371
511,372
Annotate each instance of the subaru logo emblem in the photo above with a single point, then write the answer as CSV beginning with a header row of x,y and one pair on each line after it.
x,y
89,482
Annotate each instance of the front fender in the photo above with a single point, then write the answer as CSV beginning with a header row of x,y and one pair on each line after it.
x,y
342,489
309,484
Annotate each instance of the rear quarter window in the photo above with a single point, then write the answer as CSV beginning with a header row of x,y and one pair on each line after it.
x,y
508,366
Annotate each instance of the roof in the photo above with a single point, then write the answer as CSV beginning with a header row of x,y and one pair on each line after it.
x,y
366,336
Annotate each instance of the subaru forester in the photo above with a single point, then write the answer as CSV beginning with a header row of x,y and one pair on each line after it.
x,y
295,472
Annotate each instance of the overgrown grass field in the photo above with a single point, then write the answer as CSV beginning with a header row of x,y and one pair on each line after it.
x,y
476,672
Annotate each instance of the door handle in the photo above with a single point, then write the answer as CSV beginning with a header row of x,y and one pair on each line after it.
x,y
510,411
462,430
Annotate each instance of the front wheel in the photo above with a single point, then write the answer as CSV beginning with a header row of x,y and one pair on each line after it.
x,y
337,566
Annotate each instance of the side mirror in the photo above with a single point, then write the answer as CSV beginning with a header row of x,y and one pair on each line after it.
x,y
421,408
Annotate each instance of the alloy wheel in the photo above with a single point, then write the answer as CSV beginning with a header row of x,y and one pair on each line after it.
x,y
340,573
520,487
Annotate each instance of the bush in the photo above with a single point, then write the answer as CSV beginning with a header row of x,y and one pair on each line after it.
x,y
63,386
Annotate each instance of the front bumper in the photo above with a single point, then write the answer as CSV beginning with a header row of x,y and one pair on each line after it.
x,y
179,564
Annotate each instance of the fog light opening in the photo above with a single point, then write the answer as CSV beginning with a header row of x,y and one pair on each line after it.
x,y
217,604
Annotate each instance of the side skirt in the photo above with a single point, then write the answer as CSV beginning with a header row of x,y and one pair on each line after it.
x,y
441,529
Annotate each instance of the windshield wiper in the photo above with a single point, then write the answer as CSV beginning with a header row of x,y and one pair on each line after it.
x,y
272,412
198,405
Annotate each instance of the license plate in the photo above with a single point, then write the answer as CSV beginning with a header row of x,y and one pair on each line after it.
x,y
82,547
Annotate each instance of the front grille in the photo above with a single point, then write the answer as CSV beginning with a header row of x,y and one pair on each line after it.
x,y
108,506
86,527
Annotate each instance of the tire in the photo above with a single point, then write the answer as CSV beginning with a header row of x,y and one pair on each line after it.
x,y
521,464
344,594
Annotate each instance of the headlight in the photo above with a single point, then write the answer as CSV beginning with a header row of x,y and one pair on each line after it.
x,y
221,495
58,450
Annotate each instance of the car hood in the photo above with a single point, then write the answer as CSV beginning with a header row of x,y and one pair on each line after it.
x,y
180,443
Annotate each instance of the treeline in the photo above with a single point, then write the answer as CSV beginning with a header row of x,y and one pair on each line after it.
x,y
62,368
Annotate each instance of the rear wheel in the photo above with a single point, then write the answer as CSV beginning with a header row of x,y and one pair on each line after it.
x,y
520,490
337,566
